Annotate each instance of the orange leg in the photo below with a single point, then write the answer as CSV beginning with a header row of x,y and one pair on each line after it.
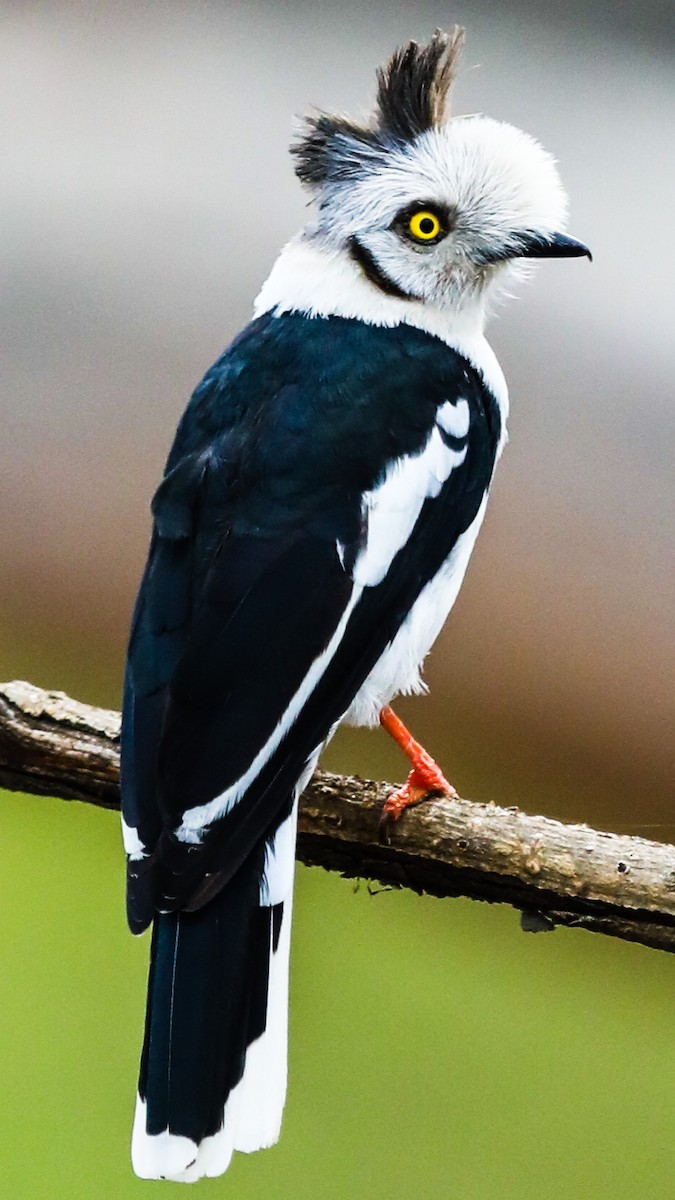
x,y
426,776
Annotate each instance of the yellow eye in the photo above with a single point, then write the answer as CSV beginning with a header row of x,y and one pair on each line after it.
x,y
424,225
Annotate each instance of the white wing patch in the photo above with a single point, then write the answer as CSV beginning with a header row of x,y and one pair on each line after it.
x,y
393,507
454,418
133,845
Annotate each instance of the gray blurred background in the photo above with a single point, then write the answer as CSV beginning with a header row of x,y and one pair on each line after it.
x,y
146,189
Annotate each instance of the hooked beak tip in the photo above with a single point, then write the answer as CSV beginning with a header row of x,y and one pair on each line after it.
x,y
555,245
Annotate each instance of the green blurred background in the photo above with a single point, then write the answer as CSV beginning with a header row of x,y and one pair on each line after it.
x,y
436,1051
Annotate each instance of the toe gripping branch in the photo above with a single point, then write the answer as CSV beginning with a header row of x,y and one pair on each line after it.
x,y
425,777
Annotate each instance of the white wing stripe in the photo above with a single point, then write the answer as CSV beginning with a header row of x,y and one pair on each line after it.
x,y
196,819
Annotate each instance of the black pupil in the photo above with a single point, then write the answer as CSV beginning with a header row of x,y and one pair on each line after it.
x,y
427,225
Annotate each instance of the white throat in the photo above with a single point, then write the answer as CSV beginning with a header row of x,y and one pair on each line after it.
x,y
320,281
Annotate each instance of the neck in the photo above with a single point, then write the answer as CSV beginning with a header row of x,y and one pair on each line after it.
x,y
321,281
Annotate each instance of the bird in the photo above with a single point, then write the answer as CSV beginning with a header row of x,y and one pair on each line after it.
x,y
310,535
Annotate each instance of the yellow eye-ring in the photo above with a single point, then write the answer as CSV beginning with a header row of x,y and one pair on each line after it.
x,y
424,225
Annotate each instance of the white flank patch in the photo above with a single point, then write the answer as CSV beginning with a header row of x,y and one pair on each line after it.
x,y
133,845
277,881
393,507
398,668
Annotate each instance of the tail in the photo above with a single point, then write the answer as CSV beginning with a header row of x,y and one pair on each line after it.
x,y
214,1062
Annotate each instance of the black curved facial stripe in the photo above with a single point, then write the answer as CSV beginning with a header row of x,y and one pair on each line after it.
x,y
374,272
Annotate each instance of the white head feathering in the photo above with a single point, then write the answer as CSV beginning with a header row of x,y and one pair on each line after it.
x,y
494,187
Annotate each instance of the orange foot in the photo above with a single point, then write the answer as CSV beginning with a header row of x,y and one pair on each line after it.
x,y
426,776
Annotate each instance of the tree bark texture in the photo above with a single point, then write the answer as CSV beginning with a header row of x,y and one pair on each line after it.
x,y
554,873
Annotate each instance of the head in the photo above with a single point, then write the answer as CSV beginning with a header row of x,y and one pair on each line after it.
x,y
433,208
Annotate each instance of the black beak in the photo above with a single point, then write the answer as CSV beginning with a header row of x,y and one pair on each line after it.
x,y
536,245
556,245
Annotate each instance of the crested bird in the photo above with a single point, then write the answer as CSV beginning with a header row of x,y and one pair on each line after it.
x,y
310,535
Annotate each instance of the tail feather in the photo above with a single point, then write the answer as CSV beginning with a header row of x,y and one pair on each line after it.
x,y
213,1068
264,1082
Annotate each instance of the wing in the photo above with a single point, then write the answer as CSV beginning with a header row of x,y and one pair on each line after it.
x,y
317,483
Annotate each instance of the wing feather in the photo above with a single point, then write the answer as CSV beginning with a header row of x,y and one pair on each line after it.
x,y
267,598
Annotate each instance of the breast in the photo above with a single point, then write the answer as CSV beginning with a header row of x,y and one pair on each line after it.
x,y
397,671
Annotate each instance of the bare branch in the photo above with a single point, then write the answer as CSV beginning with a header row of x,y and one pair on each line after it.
x,y
556,874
